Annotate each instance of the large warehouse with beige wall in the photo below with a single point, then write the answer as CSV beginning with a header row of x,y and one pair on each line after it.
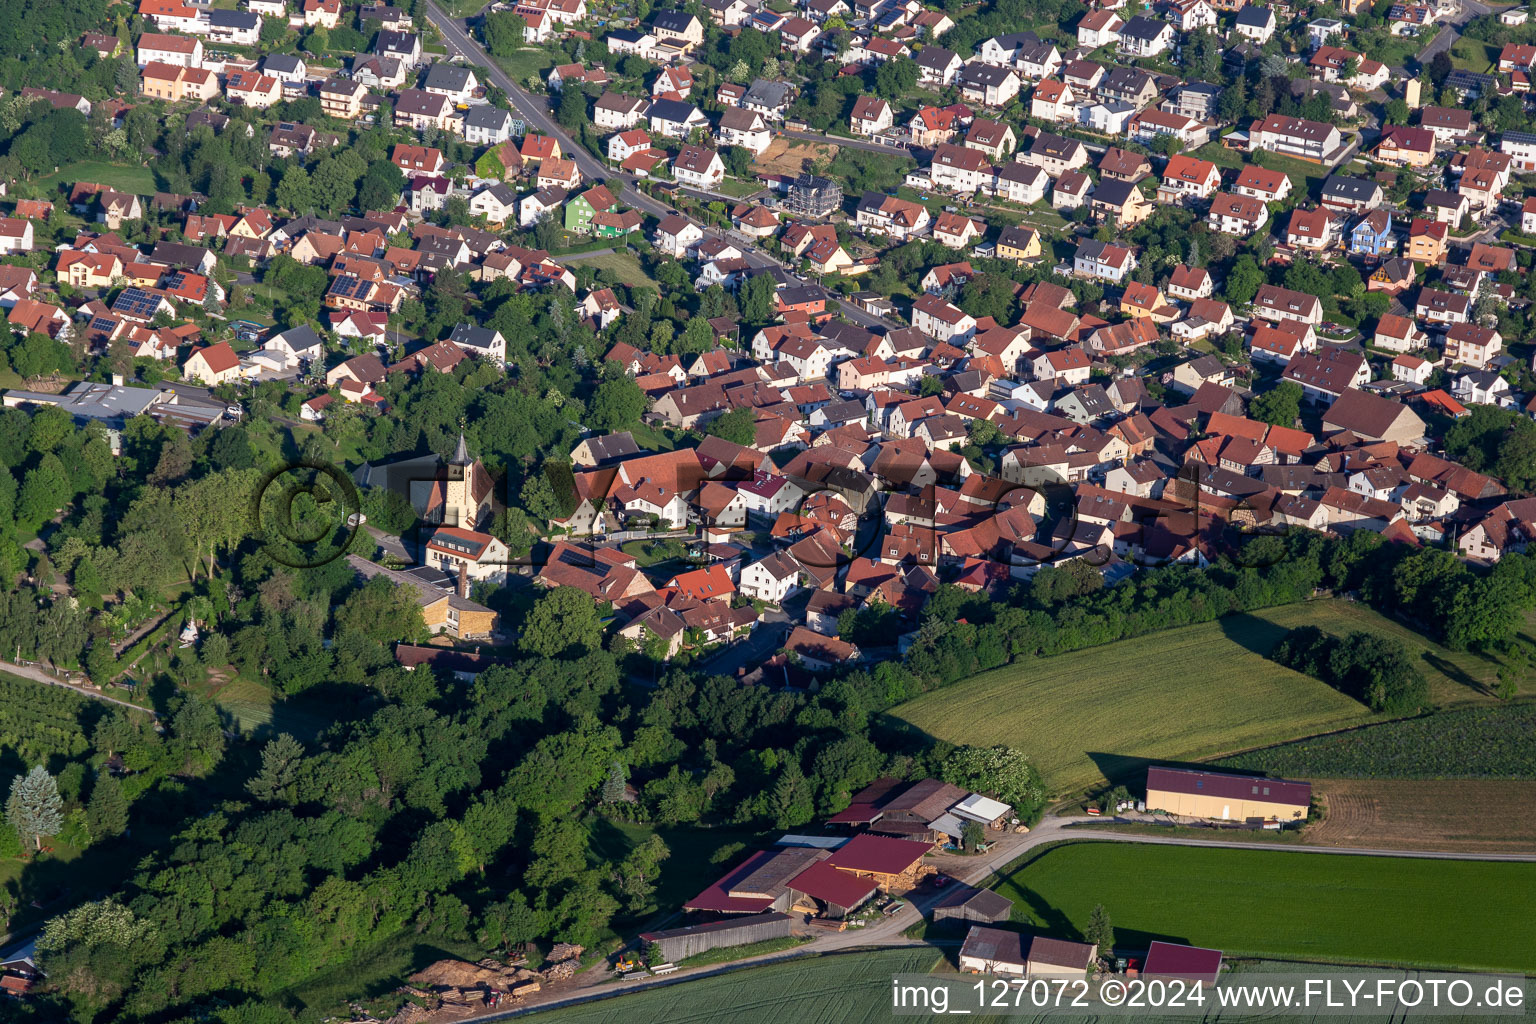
x,y
1197,794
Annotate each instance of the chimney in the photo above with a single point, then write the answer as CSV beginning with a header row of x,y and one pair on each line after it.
x,y
117,380
463,579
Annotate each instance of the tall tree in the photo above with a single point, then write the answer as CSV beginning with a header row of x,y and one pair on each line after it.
x,y
1099,931
280,762
34,808
107,814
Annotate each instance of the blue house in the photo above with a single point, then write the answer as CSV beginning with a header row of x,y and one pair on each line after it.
x,y
1373,235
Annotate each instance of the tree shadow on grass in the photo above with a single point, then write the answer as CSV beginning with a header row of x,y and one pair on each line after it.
x,y
1456,673
1252,633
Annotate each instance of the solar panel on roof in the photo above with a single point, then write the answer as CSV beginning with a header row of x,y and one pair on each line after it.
x,y
137,302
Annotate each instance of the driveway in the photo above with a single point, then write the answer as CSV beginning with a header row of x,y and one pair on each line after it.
x,y
752,651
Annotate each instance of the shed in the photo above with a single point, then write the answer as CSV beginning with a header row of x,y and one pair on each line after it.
x,y
992,813
967,903
1183,963
679,943
824,890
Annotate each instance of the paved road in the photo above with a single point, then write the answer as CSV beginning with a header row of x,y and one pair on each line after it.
x,y
536,112
1352,851
887,932
1447,36
821,139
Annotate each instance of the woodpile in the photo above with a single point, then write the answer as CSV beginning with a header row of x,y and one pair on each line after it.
x,y
565,951
563,962
410,1013
561,971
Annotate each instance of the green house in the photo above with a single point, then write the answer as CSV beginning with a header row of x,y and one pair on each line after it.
x,y
580,211
608,224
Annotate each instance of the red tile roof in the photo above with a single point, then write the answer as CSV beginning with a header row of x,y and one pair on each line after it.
x,y
878,854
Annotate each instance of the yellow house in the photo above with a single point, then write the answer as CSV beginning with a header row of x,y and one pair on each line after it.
x,y
161,81
1122,200
1140,300
442,610
89,269
1196,794
142,275
214,364
1019,244
679,28
1426,242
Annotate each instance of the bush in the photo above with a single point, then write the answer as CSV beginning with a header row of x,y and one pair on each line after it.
x,y
1376,670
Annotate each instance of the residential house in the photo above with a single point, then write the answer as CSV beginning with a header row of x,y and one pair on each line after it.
x,y
744,128
942,321
987,85
698,166
871,116
1293,136
1103,261
1372,236
1122,201
1100,27
1052,100
1275,303
1187,177
1145,37
1473,345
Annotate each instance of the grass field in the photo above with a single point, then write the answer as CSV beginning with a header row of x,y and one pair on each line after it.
x,y
1288,906
852,988
625,264
1464,815
526,62
1474,55
1186,693
133,178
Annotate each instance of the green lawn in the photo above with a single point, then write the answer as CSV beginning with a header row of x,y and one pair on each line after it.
x,y
133,178
851,988
1475,55
1188,693
654,439
625,264
651,552
740,189
1477,915
526,62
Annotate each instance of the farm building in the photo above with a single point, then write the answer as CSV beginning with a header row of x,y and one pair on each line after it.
x,y
965,903
991,813
1173,961
799,877
678,943
894,865
759,884
995,951
1197,794
824,891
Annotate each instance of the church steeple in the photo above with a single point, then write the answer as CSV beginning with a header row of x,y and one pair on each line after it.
x,y
461,453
